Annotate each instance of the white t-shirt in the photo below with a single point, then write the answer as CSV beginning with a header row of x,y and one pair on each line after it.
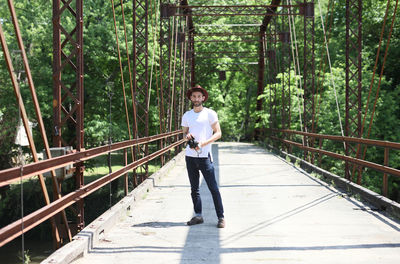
x,y
199,125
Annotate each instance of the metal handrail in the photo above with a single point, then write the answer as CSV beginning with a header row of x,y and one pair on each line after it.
x,y
11,175
37,217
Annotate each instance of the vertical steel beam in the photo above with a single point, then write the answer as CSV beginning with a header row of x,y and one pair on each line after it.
x,y
260,81
308,70
190,46
261,59
274,72
140,70
68,91
68,59
286,61
353,75
192,58
165,81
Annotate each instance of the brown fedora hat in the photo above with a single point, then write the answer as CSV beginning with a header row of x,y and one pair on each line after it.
x,y
197,88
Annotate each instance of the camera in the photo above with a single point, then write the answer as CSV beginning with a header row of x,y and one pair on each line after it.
x,y
193,143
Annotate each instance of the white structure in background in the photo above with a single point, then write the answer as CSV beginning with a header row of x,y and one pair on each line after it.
x,y
22,138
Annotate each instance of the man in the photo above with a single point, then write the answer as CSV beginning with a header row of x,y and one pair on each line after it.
x,y
201,124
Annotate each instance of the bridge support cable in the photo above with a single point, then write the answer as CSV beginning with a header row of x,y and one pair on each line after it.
x,y
55,184
134,110
156,19
141,81
284,36
327,28
122,79
171,37
173,110
353,75
68,89
23,115
322,70
331,72
185,71
297,70
179,97
377,91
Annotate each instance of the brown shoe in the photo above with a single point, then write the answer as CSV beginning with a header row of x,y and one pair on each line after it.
x,y
195,220
221,223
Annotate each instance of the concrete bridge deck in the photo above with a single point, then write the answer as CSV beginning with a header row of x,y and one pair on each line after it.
x,y
275,213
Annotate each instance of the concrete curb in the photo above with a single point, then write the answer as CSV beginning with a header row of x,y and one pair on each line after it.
x,y
373,198
85,240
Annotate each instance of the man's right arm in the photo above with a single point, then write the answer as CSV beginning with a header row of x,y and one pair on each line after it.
x,y
186,133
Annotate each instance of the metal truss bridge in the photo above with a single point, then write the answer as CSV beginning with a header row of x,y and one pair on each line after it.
x,y
170,41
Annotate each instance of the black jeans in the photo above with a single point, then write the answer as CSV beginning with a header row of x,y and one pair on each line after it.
x,y
194,165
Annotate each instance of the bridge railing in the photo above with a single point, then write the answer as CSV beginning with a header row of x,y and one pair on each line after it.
x,y
360,162
37,217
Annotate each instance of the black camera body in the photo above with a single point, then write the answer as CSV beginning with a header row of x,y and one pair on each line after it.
x,y
193,143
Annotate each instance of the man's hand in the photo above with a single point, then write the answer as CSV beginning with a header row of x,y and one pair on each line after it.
x,y
199,146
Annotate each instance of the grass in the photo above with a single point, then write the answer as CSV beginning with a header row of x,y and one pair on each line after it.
x,y
98,167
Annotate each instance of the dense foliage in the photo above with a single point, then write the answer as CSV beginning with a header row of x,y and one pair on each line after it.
x,y
234,98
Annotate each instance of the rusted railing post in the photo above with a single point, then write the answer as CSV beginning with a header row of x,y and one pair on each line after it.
x,y
385,176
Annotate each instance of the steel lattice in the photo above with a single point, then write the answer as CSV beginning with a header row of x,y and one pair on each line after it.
x,y
68,86
308,71
68,61
141,83
353,75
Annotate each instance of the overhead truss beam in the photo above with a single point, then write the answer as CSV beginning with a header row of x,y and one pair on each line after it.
x,y
233,10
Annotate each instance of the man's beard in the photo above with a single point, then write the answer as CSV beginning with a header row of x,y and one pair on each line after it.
x,y
197,104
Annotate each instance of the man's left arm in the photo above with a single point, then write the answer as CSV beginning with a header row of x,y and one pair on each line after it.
x,y
216,135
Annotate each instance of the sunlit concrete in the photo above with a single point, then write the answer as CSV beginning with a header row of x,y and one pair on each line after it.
x,y
275,213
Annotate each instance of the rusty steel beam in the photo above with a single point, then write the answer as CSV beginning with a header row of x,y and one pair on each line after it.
x,y
56,189
190,57
353,77
228,57
228,40
261,60
230,10
285,70
13,230
369,142
223,52
69,91
12,175
273,62
24,117
141,83
225,34
360,162
165,81
308,71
